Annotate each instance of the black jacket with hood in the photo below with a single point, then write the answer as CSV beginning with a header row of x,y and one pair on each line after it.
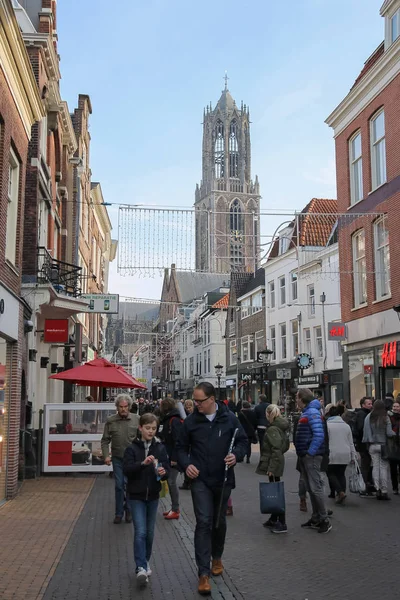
x,y
142,479
169,432
205,444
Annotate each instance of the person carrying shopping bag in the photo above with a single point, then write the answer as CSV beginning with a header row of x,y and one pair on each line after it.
x,y
272,461
341,452
377,430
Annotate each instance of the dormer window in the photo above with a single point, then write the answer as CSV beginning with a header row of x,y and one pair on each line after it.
x,y
395,26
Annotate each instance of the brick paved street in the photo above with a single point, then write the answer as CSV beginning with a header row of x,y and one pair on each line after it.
x,y
357,560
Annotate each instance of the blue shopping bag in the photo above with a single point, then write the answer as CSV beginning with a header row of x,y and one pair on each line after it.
x,y
272,498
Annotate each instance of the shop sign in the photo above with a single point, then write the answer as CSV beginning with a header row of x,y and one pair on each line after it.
x,y
310,379
304,361
56,331
283,374
389,355
368,369
337,332
230,382
101,303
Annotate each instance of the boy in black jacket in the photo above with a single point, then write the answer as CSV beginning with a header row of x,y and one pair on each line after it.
x,y
145,464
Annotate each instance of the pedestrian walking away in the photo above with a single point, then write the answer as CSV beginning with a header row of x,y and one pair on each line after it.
x,y
341,453
145,464
169,432
119,431
377,430
203,452
262,422
394,458
362,449
248,420
310,446
272,460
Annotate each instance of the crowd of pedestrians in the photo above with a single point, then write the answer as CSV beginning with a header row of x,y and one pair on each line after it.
x,y
204,439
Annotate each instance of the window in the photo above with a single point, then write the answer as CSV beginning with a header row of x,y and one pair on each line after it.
x,y
256,302
209,361
318,342
395,27
43,138
246,308
283,244
236,218
271,294
282,331
382,258
247,348
219,158
272,338
359,268
378,150
337,350
307,341
311,300
205,362
282,291
260,345
295,337
191,366
232,352
293,284
233,150
356,177
12,208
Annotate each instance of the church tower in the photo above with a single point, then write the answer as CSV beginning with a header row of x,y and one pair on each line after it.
x,y
227,202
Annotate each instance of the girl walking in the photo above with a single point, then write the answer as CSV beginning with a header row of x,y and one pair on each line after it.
x,y
272,461
145,464
377,429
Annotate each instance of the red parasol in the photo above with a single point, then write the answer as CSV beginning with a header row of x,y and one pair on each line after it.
x,y
99,372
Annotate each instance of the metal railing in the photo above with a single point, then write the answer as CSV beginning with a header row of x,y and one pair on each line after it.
x,y
64,277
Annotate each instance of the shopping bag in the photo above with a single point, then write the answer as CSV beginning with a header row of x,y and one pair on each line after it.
x,y
164,489
272,498
356,480
393,448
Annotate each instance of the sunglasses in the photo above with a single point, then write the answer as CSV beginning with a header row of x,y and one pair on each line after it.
x,y
201,401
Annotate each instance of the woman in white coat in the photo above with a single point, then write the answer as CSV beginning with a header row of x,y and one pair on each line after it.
x,y
341,452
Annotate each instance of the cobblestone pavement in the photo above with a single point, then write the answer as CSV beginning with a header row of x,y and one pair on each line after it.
x,y
357,560
34,530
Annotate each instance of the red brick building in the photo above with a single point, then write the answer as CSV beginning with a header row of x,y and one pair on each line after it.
x,y
366,128
20,107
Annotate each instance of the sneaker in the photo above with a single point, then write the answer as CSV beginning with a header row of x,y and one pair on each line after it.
x,y
172,514
269,523
279,528
117,520
367,495
341,498
325,526
149,571
312,524
384,497
141,577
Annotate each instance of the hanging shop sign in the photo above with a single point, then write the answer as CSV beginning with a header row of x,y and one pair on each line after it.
x,y
283,374
304,361
389,355
310,379
337,332
101,303
56,331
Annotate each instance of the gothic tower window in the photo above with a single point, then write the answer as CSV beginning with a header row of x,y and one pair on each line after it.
x,y
219,150
233,150
236,218
237,230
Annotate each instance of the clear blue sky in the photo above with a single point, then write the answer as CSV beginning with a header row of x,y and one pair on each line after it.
x,y
150,68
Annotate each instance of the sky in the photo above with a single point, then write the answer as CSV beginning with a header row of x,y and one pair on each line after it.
x,y
151,67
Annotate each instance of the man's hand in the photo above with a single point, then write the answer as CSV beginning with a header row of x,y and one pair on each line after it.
x,y
230,460
161,471
147,461
107,461
192,472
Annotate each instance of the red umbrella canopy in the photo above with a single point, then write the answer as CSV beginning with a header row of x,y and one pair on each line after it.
x,y
99,372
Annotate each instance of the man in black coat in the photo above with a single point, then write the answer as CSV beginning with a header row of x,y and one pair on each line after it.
x,y
203,451
262,422
248,420
366,465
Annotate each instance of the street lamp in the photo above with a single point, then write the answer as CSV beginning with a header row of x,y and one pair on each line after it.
x,y
196,378
265,356
218,371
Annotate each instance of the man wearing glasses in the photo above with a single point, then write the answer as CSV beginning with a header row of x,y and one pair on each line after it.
x,y
203,452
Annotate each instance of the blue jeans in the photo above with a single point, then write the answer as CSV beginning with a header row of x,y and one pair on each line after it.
x,y
119,486
144,513
209,541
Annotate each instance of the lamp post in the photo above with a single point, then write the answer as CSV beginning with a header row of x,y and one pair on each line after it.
x,y
264,357
218,371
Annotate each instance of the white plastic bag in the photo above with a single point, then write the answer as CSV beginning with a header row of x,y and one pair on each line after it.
x,y
356,480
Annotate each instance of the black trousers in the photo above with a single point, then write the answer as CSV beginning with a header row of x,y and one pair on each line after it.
x,y
209,540
248,453
337,477
261,433
394,473
281,518
366,468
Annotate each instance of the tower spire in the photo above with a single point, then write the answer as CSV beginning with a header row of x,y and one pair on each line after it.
x,y
226,81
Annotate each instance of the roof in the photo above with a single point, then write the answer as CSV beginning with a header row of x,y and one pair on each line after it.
x,y
193,285
255,282
226,102
239,282
370,62
222,303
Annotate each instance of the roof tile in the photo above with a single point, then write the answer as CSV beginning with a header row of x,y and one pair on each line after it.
x,y
222,302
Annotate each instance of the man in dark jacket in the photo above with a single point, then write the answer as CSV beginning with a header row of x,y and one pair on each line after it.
x,y
262,422
248,420
366,465
203,453
310,448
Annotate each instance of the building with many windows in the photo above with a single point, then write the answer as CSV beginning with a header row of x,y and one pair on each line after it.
x,y
366,127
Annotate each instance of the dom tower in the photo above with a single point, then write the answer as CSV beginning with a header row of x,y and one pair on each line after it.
x,y
227,201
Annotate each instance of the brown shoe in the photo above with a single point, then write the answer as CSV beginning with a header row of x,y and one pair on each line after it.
x,y
217,568
303,505
229,511
340,498
117,520
204,585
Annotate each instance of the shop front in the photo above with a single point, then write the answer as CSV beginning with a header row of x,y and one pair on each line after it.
x,y
283,384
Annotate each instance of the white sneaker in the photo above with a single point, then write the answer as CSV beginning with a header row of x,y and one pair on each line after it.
x,y
141,577
149,571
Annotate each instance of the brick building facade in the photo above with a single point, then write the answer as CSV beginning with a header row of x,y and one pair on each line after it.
x,y
366,126
20,107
